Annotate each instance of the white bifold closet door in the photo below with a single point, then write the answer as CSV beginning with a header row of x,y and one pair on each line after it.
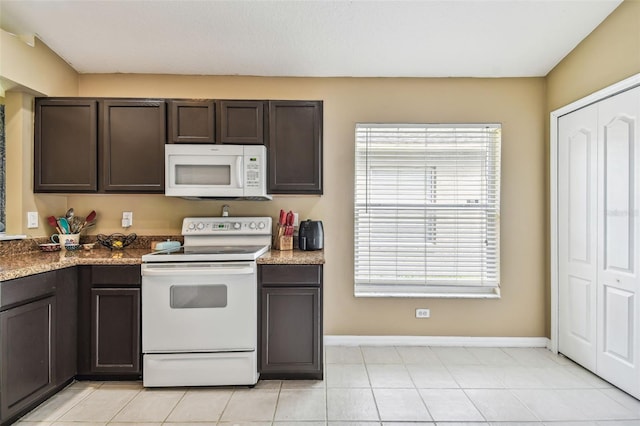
x,y
577,239
599,230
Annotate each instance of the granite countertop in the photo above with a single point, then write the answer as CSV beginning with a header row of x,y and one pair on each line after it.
x,y
292,257
35,262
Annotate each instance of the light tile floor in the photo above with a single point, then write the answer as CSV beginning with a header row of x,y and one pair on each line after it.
x,y
369,386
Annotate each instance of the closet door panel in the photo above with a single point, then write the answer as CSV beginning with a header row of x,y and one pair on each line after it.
x,y
618,360
618,324
618,194
577,216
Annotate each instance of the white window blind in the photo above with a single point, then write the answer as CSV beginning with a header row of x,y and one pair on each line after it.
x,y
427,209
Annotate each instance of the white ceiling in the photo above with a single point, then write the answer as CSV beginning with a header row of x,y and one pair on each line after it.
x,y
428,38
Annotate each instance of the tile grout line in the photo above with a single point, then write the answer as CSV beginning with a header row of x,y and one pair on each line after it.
x,y
424,403
69,409
375,402
326,388
123,406
174,407
275,408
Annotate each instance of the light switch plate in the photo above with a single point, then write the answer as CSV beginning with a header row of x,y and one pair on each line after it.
x,y
32,220
127,219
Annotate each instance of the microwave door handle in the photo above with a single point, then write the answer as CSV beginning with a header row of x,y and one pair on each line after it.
x,y
239,170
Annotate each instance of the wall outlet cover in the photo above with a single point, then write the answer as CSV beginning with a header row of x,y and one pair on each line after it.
x,y
423,313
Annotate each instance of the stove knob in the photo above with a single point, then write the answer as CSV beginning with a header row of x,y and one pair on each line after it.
x,y
200,226
261,225
252,225
191,226
236,225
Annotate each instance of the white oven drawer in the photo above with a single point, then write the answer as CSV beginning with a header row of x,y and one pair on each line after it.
x,y
191,310
216,369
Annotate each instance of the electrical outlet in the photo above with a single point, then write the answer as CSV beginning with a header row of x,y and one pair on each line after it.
x,y
32,220
423,313
127,219
295,219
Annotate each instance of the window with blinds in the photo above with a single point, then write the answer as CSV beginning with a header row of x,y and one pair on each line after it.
x,y
427,210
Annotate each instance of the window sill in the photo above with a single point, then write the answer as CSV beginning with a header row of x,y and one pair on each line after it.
x,y
5,237
459,293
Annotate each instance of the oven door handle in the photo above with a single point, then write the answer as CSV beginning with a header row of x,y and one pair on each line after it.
x,y
195,270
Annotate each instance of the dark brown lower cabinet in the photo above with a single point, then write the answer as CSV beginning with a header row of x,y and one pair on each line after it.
x,y
291,322
115,320
66,325
46,338
109,341
27,335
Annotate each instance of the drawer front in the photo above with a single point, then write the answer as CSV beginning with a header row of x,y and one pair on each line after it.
x,y
298,275
103,275
20,290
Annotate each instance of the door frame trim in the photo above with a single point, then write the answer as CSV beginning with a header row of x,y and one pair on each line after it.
x,y
612,90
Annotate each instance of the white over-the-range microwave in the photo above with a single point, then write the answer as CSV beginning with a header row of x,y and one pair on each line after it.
x,y
216,171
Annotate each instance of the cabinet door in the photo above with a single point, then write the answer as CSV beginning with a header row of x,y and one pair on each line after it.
x,y
66,324
27,336
115,322
192,121
291,332
295,147
133,136
65,148
242,122
618,358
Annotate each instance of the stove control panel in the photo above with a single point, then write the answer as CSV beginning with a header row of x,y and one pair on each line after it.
x,y
226,226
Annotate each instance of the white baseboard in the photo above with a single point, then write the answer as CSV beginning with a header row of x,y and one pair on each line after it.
x,y
488,342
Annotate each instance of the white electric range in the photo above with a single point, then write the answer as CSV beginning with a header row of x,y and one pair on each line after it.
x,y
199,304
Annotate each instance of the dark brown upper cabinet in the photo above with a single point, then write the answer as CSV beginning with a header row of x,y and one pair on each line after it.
x,y
133,134
191,121
295,147
65,148
242,122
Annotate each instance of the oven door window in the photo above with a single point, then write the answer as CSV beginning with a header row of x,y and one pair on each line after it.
x,y
198,296
203,174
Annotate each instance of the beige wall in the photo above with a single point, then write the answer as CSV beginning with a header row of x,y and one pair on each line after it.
x,y
518,104
28,71
609,54
36,69
19,168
